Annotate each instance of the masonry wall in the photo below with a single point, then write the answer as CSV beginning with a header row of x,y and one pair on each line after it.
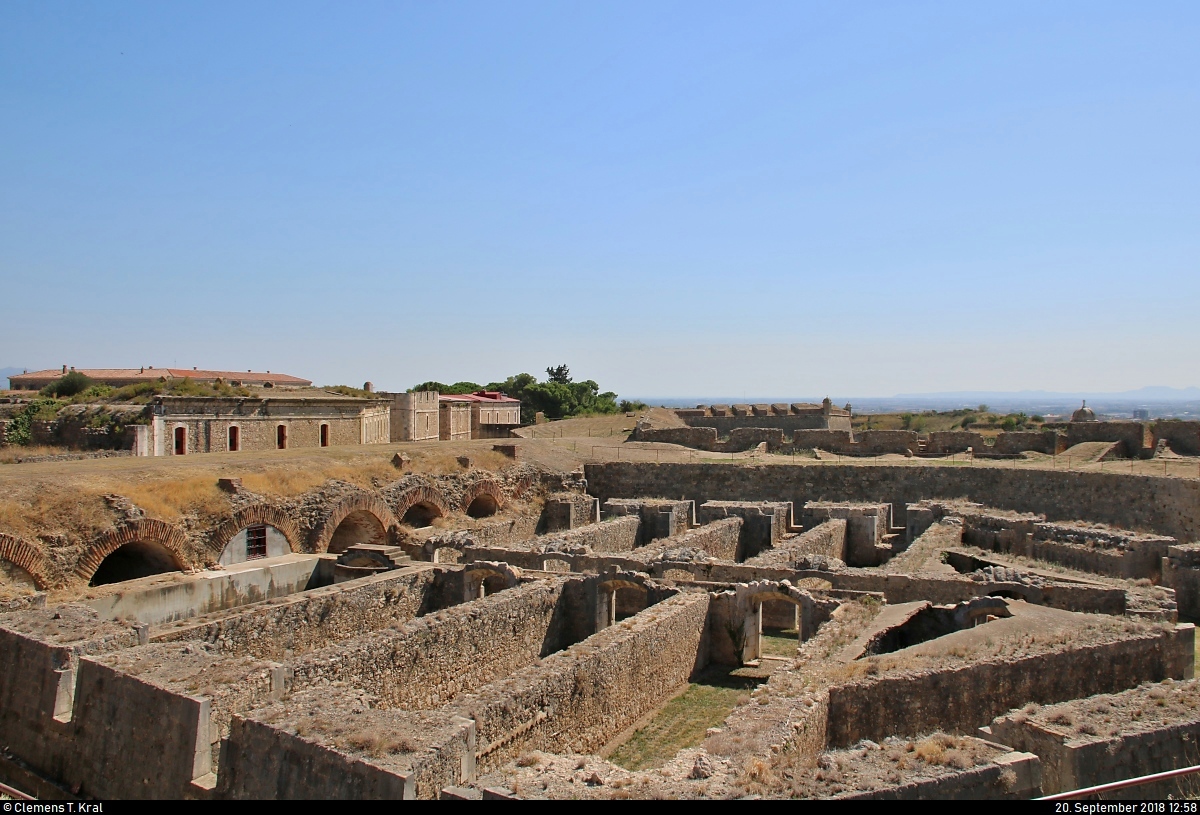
x,y
949,442
789,424
1182,437
1168,506
827,539
718,539
414,416
964,698
430,660
617,535
660,518
581,698
301,623
1076,760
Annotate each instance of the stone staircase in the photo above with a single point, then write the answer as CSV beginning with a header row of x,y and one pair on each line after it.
x,y
374,556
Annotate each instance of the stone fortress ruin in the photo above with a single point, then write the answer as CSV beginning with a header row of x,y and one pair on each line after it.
x,y
897,630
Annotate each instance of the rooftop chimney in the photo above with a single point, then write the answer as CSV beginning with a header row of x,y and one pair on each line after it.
x,y
64,369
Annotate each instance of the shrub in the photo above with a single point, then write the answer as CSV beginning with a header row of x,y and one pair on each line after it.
x,y
68,385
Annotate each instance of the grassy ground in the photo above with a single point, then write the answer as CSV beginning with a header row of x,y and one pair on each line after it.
x,y
780,643
683,721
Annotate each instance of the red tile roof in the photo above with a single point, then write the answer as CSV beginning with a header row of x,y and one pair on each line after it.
x,y
477,396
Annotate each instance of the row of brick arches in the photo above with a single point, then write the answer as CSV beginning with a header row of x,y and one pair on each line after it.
x,y
146,547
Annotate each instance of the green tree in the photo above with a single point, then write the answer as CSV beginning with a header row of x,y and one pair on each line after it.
x,y
68,385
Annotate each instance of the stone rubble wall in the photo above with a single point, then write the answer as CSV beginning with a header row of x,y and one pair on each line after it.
x,y
1076,760
579,699
963,698
764,522
826,539
432,659
1165,506
296,625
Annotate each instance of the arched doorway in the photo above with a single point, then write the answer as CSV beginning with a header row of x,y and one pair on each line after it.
x,y
281,437
133,560
235,438
324,435
486,581
181,441
359,526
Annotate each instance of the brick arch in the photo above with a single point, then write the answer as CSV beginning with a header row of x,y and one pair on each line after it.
x,y
363,502
421,494
25,556
146,530
255,515
484,486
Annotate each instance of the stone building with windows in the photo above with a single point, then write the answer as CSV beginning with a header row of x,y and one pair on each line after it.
x,y
181,425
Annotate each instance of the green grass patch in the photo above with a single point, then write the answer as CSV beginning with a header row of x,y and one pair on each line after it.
x,y
684,720
779,643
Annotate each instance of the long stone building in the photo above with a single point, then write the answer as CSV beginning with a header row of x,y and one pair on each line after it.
x,y
120,377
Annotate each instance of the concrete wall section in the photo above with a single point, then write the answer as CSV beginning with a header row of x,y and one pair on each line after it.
x,y
156,600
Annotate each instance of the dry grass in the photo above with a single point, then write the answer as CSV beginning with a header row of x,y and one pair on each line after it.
x,y
55,510
8,455
169,500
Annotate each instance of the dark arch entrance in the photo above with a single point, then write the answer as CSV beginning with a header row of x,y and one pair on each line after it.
x,y
483,506
133,560
421,514
359,526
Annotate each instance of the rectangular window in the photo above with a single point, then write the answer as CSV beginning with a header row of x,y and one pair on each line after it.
x,y
256,542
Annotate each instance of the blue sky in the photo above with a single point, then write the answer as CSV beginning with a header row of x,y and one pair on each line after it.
x,y
672,198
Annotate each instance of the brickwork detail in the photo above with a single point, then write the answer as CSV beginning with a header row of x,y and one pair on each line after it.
x,y
145,530
255,514
23,555
364,502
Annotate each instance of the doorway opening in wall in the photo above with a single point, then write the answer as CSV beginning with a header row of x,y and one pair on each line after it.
x,y
256,542
780,628
324,435
281,437
234,439
180,441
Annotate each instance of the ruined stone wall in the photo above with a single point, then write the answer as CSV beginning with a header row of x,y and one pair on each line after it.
x,y
430,660
832,441
661,518
882,442
949,442
747,438
1074,759
1182,437
567,510
1133,436
1167,506
963,698
579,699
827,539
1099,551
298,624
700,438
617,535
764,522
718,539
789,424
1049,442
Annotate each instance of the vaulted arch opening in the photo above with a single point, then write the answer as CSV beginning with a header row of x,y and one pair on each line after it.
x,y
133,560
421,514
483,506
358,526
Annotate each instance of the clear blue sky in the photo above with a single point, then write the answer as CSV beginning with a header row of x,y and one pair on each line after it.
x,y
672,198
